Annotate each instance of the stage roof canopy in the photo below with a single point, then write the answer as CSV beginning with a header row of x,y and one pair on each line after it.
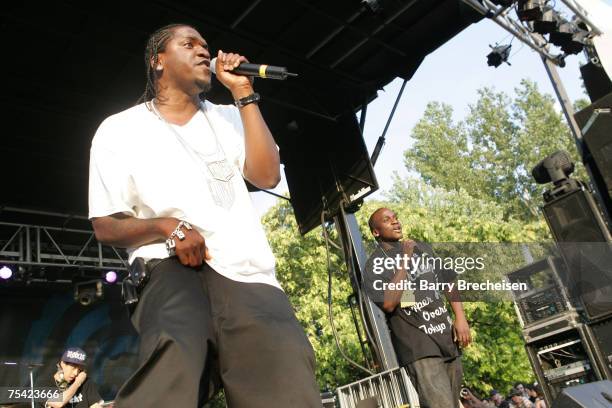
x,y
69,64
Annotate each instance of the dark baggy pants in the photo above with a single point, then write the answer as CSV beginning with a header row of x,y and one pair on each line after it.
x,y
199,331
437,381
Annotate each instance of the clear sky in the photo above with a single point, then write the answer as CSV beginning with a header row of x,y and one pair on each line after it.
x,y
451,74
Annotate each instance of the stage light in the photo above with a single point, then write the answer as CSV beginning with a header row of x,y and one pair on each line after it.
x,y
529,10
548,22
571,36
557,167
503,3
564,32
499,54
88,292
110,277
6,272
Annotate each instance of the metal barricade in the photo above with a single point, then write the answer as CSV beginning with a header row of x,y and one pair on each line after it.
x,y
392,389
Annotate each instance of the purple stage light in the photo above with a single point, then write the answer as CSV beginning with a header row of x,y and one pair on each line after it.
x,y
110,277
6,272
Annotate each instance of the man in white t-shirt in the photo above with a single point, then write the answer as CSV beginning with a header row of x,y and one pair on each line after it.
x,y
166,182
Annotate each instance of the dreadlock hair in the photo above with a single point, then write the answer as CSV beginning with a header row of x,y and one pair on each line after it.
x,y
155,44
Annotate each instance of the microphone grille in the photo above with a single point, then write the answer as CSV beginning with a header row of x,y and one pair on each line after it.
x,y
213,65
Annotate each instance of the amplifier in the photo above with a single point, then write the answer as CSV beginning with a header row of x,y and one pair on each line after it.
x,y
549,327
546,296
564,359
542,304
568,371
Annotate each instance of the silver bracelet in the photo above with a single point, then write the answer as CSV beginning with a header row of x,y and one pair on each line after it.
x,y
171,243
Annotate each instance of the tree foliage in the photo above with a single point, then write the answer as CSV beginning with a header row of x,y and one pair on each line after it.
x,y
303,273
491,152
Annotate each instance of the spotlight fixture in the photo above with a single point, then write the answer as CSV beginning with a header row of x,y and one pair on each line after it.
x,y
571,36
529,10
576,44
548,22
6,272
503,3
110,277
555,168
498,54
563,33
88,292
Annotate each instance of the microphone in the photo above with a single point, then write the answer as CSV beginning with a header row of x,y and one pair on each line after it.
x,y
257,70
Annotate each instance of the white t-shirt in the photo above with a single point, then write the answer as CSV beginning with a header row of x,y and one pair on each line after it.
x,y
141,167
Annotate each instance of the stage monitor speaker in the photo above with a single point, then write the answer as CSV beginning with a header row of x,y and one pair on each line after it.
x,y
591,395
585,244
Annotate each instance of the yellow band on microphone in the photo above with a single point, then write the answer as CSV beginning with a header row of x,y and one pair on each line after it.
x,y
262,70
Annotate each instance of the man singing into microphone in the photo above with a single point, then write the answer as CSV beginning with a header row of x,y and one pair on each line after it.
x,y
166,182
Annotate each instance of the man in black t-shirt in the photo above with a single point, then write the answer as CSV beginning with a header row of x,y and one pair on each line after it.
x,y
400,280
71,380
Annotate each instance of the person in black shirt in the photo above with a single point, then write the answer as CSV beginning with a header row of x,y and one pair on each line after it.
x,y
71,380
423,334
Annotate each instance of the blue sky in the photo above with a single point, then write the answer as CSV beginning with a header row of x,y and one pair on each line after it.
x,y
451,74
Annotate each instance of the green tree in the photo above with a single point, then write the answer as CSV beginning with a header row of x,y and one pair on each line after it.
x,y
302,270
494,148
430,214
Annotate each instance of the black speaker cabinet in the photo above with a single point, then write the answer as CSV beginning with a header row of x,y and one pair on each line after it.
x,y
595,122
601,338
586,246
592,395
596,81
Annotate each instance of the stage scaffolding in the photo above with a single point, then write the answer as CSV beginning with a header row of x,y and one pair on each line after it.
x,y
35,249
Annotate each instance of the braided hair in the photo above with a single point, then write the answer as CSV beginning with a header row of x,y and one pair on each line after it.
x,y
155,44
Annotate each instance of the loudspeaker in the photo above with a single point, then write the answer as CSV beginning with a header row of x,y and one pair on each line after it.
x,y
595,122
596,81
601,337
585,244
591,395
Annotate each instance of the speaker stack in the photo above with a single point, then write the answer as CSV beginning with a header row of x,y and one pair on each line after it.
x,y
558,343
566,313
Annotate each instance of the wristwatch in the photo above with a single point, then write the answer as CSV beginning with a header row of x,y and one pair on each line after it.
x,y
254,97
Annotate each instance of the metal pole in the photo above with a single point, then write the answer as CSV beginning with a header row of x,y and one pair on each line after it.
x,y
566,105
381,140
373,317
28,249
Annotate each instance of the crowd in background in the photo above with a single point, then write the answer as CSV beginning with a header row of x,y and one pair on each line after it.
x,y
520,396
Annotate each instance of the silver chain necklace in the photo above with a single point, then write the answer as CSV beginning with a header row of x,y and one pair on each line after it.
x,y
219,172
